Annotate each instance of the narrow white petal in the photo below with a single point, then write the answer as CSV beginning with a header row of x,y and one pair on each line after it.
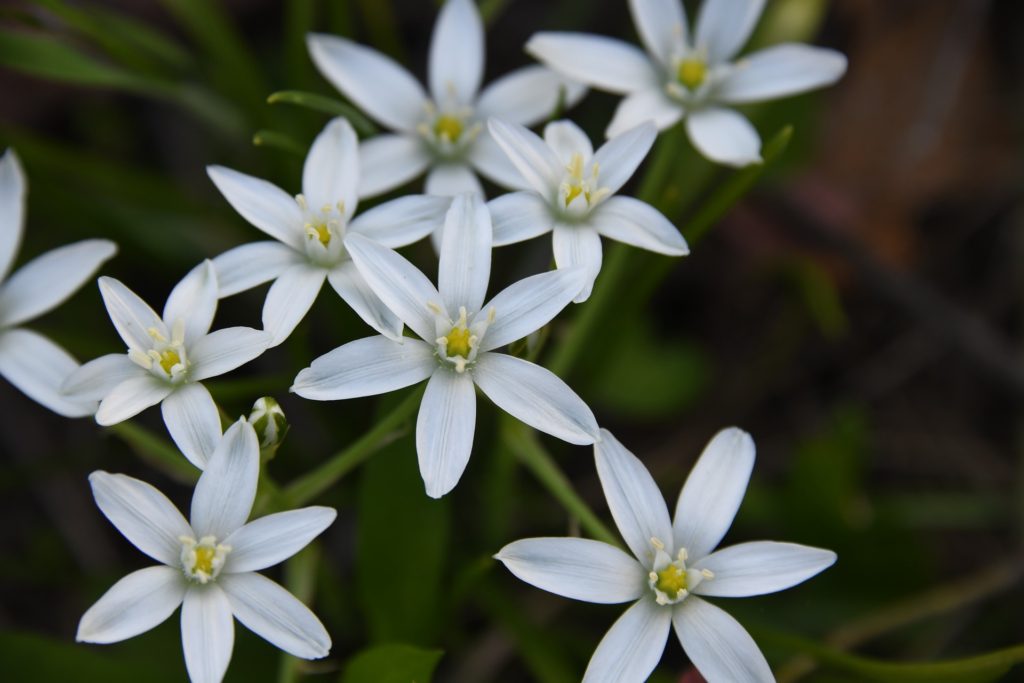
x,y
390,161
456,53
604,63
535,161
46,281
263,204
567,139
274,614
718,645
519,216
97,378
39,368
290,298
723,26
451,179
490,161
644,105
272,539
402,221
444,430
398,283
578,246
528,95
633,645
13,189
662,26
760,567
135,604
224,350
619,158
227,488
778,71
207,633
629,220
142,514
131,397
353,289
465,264
536,396
366,367
576,568
724,136
635,502
194,301
193,421
331,172
530,304
359,72
132,317
252,264
713,492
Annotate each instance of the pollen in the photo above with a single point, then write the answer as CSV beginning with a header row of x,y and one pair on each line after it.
x,y
458,342
671,581
448,127
692,73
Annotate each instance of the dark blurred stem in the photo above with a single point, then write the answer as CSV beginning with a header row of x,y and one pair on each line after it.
x,y
156,451
300,580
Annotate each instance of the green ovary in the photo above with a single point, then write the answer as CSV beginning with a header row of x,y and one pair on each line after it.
x,y
671,581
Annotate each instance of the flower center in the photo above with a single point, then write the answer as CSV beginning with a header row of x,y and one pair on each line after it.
x,y
202,560
670,579
458,342
166,358
325,231
576,185
449,129
691,72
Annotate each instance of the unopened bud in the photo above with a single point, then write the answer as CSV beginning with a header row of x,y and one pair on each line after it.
x,y
270,424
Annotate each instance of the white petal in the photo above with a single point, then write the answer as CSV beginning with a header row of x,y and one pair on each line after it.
x,y
263,204
227,488
635,502
193,421
39,368
567,139
717,645
135,604
760,567
578,245
402,221
451,179
252,264
207,633
398,283
97,378
576,568
290,298
131,397
644,105
605,63
634,222
390,161
535,161
633,645
366,367
46,281
536,396
723,26
619,158
13,188
724,136
331,172
224,350
359,72
350,286
662,26
713,492
142,514
456,53
519,216
779,71
528,95
272,539
444,430
271,612
194,301
465,264
530,304
132,317
490,161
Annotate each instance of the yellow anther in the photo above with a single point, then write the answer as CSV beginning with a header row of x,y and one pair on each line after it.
x,y
448,127
691,72
458,342
319,231
168,359
156,335
671,581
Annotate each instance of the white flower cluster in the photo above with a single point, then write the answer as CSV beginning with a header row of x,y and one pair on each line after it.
x,y
559,184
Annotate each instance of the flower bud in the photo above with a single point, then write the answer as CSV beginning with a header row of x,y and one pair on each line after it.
x,y
270,424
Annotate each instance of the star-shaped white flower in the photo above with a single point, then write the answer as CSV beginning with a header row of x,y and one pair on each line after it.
x,y
310,230
673,568
442,131
572,195
456,349
208,566
28,360
167,359
691,74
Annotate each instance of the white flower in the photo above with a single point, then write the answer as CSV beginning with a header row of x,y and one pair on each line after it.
x,y
208,565
458,334
674,567
443,130
310,230
29,360
167,359
691,74
572,195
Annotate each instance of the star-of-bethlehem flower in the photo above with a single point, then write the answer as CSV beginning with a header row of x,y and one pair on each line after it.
x,y
572,195
29,360
167,359
675,566
309,232
208,565
443,130
459,334
691,74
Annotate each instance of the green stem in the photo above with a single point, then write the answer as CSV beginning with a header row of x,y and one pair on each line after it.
x,y
156,451
326,105
300,580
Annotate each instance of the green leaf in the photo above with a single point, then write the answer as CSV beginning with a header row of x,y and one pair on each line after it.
x,y
54,58
269,138
28,657
327,105
392,664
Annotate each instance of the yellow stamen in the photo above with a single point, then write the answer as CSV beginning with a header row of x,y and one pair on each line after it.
x,y
458,342
168,359
691,73
204,559
448,127
319,231
671,581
